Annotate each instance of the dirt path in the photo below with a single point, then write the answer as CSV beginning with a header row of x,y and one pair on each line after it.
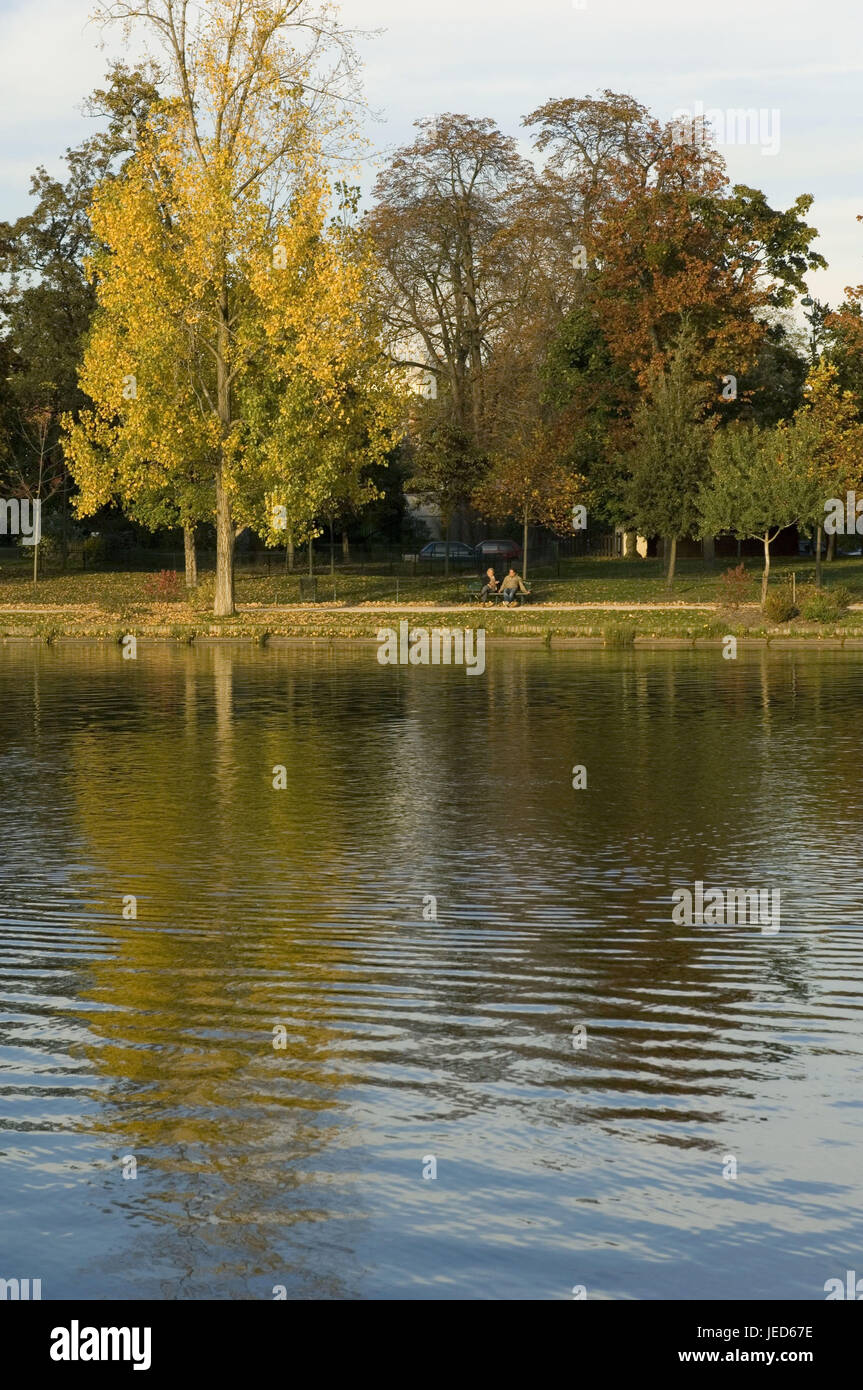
x,y
476,607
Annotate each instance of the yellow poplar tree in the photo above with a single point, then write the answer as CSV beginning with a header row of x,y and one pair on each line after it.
x,y
829,424
231,354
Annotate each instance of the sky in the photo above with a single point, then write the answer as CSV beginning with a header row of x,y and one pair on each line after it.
x,y
799,65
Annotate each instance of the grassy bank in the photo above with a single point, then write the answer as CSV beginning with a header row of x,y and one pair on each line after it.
x,y
183,624
109,605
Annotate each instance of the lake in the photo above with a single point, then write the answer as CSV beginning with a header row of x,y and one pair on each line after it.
x,y
418,1023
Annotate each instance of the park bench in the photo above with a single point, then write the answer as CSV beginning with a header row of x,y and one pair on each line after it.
x,y
474,588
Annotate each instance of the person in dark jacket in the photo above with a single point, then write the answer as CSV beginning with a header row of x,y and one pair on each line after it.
x,y
489,587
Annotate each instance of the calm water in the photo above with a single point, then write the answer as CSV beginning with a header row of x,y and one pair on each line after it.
x,y
409,1039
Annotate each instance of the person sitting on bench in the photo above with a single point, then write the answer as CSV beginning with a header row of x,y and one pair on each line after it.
x,y
511,586
489,587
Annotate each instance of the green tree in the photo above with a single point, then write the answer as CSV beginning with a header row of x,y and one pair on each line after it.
x,y
47,301
589,397
772,390
669,450
761,481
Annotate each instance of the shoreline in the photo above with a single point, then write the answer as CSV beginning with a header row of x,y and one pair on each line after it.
x,y
611,625
813,642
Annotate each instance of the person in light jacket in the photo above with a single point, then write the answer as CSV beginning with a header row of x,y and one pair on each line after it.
x,y
511,587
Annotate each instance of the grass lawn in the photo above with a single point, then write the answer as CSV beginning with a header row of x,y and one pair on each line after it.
x,y
580,581
103,602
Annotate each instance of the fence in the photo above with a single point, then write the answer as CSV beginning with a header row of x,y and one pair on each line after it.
x,y
112,554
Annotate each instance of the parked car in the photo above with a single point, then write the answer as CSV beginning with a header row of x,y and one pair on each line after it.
x,y
436,550
806,545
498,550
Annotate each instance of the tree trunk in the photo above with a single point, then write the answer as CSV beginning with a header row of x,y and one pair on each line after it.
x,y
64,541
446,547
831,548
524,547
311,558
766,575
37,525
672,560
630,545
818,557
346,546
289,556
223,606
708,550
191,557
332,549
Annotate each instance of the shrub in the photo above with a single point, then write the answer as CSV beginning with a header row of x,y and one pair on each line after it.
x,y
164,587
95,549
820,605
619,635
49,549
117,547
840,595
734,586
779,607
